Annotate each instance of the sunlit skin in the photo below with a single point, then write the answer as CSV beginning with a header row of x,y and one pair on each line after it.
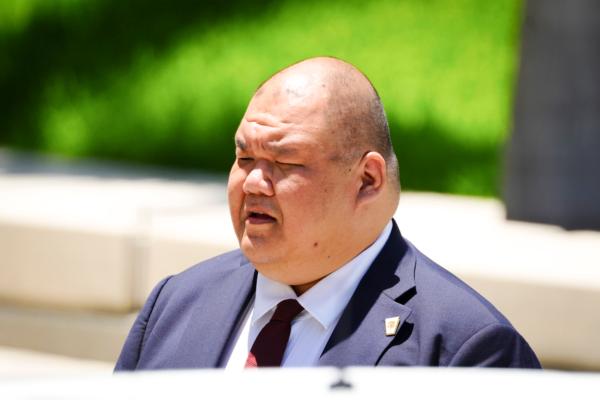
x,y
298,209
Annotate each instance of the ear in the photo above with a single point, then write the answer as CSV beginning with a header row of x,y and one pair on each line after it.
x,y
373,176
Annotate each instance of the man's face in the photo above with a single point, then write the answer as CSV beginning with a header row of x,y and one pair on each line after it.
x,y
291,199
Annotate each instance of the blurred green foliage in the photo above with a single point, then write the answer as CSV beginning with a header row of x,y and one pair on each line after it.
x,y
167,82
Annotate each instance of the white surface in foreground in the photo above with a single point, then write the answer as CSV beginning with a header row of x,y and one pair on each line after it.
x,y
313,384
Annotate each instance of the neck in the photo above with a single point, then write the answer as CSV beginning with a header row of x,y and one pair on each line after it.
x,y
365,242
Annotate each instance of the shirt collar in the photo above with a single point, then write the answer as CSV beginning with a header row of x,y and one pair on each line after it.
x,y
326,300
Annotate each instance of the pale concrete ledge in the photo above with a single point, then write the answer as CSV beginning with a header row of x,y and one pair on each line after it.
x,y
78,334
82,244
81,235
19,364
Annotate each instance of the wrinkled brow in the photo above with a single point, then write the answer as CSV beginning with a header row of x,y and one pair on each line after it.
x,y
281,150
275,148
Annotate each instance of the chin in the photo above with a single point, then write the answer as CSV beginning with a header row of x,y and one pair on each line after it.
x,y
258,252
275,272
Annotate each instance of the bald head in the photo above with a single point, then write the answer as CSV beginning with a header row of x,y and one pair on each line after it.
x,y
344,100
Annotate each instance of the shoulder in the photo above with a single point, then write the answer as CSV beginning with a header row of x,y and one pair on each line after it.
x,y
448,296
180,293
211,268
214,284
209,283
205,273
450,300
459,325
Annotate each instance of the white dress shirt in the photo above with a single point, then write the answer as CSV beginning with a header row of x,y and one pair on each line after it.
x,y
323,305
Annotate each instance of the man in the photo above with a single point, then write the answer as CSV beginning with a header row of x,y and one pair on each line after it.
x,y
323,276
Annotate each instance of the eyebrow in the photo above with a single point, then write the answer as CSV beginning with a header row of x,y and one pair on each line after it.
x,y
240,144
277,149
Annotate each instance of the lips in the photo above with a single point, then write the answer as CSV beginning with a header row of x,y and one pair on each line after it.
x,y
258,216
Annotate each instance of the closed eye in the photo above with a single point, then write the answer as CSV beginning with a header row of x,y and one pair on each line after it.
x,y
285,164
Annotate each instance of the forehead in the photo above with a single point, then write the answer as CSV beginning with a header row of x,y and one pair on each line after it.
x,y
263,131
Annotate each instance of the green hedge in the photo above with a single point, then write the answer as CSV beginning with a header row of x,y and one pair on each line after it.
x,y
167,82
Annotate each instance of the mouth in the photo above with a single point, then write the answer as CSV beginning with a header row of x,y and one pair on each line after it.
x,y
258,218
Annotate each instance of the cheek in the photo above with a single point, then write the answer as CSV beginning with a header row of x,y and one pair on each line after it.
x,y
234,190
305,203
329,201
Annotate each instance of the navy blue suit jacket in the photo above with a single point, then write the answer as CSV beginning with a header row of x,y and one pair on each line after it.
x,y
189,319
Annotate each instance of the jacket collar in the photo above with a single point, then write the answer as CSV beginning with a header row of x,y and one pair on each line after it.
x,y
359,337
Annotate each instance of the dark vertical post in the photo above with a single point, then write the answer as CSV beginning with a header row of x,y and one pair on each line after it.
x,y
553,157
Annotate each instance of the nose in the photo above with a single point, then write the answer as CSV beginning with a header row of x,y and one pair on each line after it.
x,y
258,180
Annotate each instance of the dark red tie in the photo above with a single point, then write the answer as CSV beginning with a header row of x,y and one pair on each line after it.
x,y
270,344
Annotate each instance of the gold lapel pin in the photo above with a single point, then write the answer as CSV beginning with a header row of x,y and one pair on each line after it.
x,y
391,325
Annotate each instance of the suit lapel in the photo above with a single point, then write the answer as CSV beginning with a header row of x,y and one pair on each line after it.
x,y
359,337
218,314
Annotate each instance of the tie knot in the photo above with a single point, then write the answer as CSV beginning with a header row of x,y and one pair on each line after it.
x,y
287,310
